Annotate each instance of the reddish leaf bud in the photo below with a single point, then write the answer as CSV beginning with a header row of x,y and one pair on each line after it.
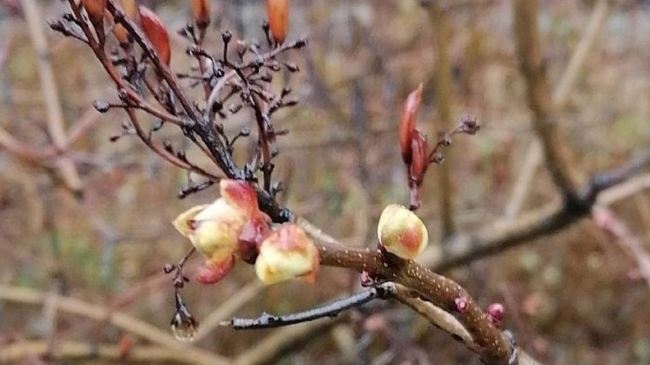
x,y
278,12
420,157
119,31
156,31
201,12
95,10
131,9
401,232
407,123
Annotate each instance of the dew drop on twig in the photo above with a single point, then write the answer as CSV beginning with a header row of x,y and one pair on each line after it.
x,y
184,328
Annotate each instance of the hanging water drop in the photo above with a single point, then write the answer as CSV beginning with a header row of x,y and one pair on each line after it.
x,y
184,327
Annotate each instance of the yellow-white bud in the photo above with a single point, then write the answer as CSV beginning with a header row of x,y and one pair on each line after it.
x,y
285,254
213,229
401,232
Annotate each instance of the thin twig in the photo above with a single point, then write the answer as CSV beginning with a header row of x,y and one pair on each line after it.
x,y
273,346
265,320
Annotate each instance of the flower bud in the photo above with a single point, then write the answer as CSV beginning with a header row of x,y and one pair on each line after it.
x,y
157,33
278,12
213,229
95,10
131,9
401,232
120,33
230,228
407,123
495,313
285,254
420,157
201,12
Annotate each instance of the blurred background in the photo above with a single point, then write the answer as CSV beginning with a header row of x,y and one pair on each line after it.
x,y
81,271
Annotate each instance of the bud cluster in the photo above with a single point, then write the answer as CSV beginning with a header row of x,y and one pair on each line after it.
x,y
233,229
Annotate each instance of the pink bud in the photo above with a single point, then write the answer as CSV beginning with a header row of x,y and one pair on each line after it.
x,y
401,232
495,313
285,254
461,304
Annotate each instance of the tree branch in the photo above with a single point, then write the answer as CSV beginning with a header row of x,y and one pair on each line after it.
x,y
560,97
442,72
557,154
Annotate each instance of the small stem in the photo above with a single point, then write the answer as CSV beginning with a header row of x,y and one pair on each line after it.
x,y
381,291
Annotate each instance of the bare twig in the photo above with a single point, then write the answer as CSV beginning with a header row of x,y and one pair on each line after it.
x,y
265,320
437,316
274,345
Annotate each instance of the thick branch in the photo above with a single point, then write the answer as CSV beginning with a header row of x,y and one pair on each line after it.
x,y
439,290
504,233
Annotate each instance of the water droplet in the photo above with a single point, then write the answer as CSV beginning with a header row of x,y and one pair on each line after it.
x,y
184,327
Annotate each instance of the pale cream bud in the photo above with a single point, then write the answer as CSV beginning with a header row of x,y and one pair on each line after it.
x,y
401,232
285,254
213,229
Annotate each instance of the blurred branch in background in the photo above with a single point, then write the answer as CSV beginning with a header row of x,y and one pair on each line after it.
x,y
66,168
117,319
443,102
557,154
499,235
560,97
82,351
